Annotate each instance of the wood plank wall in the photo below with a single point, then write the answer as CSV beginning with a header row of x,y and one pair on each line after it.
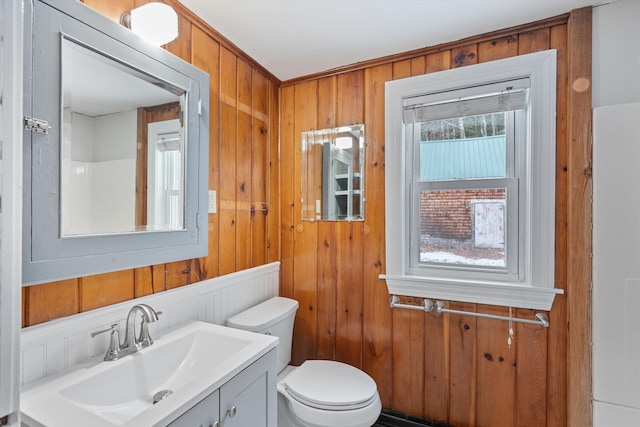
x,y
243,169
451,368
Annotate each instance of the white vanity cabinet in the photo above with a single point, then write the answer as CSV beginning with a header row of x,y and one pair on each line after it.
x,y
247,399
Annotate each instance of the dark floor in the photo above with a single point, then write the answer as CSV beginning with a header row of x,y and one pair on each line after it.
x,y
390,418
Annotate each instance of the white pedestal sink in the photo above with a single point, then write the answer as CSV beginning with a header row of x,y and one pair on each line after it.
x,y
190,362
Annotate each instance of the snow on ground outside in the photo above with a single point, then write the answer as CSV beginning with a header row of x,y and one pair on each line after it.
x,y
449,258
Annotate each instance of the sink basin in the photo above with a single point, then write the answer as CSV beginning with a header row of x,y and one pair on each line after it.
x,y
184,366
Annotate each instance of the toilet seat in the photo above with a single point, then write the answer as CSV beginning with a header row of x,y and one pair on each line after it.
x,y
329,385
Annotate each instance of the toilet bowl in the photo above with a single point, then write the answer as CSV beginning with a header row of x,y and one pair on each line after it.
x,y
318,393
322,393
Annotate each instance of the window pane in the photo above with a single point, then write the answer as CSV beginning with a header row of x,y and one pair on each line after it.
x,y
464,127
463,148
463,227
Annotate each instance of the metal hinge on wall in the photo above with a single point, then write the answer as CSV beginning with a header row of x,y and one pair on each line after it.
x,y
36,125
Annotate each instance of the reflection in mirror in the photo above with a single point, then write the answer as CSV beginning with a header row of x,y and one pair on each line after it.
x,y
122,154
332,174
165,179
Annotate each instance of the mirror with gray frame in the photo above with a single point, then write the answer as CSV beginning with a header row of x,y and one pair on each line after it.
x,y
118,177
332,174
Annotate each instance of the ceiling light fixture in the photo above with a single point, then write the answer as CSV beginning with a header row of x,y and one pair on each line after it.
x,y
155,22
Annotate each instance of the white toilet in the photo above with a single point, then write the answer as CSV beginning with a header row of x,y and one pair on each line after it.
x,y
318,393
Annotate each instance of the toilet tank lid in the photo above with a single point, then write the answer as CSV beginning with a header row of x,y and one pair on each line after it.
x,y
264,314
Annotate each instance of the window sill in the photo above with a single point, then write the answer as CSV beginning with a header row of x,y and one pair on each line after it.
x,y
491,293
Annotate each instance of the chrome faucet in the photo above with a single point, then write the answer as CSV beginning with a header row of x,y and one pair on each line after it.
x,y
149,315
131,343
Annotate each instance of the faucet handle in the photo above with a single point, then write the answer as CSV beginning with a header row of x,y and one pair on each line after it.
x,y
113,351
112,328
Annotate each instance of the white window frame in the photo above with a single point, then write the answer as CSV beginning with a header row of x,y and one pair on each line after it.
x,y
533,286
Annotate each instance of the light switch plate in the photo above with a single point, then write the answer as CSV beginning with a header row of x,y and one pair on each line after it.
x,y
212,201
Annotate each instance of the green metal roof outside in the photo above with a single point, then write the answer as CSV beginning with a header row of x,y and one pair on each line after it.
x,y
463,158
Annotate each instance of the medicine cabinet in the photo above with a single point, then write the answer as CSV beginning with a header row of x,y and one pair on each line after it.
x,y
115,148
332,174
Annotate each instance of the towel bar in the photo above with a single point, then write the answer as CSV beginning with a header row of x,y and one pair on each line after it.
x,y
427,305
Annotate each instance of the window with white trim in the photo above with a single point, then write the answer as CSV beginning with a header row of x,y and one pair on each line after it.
x,y
470,183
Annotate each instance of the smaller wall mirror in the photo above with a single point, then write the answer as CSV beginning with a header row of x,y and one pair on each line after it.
x,y
332,174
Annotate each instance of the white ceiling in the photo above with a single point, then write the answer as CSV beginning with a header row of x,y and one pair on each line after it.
x,y
293,38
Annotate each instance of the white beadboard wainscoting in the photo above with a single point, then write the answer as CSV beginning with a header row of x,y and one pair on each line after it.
x,y
53,346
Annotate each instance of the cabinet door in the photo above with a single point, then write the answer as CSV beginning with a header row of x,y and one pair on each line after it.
x,y
204,414
249,399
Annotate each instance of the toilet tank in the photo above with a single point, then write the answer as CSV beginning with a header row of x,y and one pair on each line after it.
x,y
273,317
